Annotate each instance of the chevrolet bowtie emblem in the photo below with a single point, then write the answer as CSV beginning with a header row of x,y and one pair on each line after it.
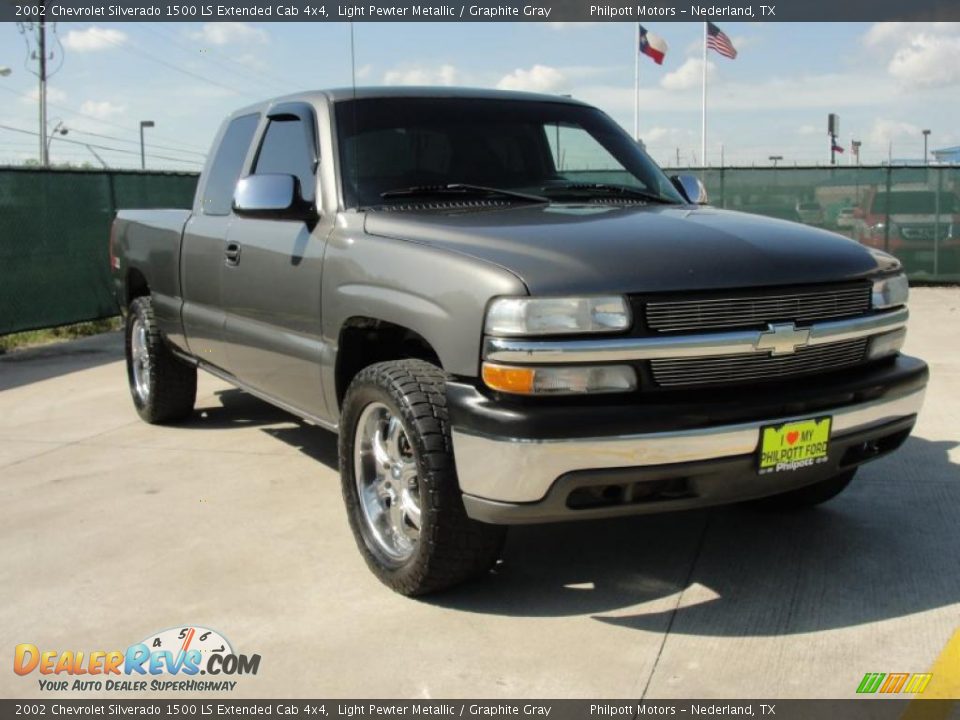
x,y
782,338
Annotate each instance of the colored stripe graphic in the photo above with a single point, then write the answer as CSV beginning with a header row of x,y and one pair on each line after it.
x,y
894,682
918,683
870,682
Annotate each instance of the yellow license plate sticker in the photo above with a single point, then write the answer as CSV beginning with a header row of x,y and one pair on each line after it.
x,y
794,445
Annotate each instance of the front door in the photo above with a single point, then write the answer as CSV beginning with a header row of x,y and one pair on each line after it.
x,y
271,278
204,237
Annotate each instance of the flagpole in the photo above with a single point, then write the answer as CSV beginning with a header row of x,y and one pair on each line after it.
x,y
636,84
703,104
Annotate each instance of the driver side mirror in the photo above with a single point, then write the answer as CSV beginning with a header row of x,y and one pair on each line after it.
x,y
272,196
691,188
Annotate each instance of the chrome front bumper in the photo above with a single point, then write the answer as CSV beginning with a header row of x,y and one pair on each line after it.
x,y
517,470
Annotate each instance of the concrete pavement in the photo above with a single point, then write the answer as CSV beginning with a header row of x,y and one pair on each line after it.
x,y
112,530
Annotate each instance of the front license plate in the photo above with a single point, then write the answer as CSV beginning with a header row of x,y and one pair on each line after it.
x,y
794,445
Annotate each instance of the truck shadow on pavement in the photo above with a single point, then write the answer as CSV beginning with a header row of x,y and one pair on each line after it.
x,y
883,549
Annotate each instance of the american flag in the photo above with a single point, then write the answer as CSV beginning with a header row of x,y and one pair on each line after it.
x,y
718,40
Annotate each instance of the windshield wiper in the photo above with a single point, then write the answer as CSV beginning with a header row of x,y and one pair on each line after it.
x,y
609,189
459,189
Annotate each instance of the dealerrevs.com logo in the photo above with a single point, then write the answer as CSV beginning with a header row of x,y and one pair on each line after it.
x,y
170,661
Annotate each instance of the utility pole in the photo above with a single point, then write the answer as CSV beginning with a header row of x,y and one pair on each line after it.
x,y
926,134
42,46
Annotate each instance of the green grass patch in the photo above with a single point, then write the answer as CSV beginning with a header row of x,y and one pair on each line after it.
x,y
32,338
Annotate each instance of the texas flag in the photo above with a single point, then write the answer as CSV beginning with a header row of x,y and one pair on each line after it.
x,y
653,45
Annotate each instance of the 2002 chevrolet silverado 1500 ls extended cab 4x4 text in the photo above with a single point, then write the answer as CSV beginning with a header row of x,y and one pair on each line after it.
x,y
510,315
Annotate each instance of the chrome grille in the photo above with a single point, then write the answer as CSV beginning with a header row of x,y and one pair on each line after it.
x,y
751,311
753,367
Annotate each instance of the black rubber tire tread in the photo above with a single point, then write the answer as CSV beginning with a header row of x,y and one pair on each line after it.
x,y
809,496
452,548
173,392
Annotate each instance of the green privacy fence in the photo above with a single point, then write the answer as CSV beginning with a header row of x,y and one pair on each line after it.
x,y
54,224
54,229
911,212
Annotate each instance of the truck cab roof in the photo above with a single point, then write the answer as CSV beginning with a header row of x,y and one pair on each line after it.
x,y
373,92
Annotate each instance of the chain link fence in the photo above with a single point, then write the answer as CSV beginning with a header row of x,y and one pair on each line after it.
x,y
54,230
911,212
54,224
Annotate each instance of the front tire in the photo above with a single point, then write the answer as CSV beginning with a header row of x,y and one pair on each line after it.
x,y
400,484
809,496
163,387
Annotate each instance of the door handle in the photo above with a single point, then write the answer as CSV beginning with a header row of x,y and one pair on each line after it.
x,y
232,253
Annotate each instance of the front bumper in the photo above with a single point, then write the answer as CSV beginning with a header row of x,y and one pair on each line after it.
x,y
657,457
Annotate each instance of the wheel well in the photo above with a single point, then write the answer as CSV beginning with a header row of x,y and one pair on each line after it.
x,y
136,286
365,341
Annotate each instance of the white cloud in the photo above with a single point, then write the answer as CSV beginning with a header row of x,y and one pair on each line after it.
x,y
539,78
807,130
568,25
917,54
364,71
102,109
929,61
665,135
227,33
53,95
93,39
885,131
418,75
688,75
893,33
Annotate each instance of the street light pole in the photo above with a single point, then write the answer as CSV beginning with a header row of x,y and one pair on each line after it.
x,y
926,134
143,155
58,128
775,159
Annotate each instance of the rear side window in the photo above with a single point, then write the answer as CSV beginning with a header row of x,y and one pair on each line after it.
x,y
227,164
286,150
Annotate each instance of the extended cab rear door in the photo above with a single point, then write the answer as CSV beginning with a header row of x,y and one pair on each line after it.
x,y
271,289
204,241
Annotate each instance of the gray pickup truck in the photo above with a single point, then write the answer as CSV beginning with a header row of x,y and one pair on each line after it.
x,y
510,315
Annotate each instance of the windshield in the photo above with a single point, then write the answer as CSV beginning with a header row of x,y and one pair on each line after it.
x,y
526,146
913,202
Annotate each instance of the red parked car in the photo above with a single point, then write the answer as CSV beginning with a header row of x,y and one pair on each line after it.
x,y
921,227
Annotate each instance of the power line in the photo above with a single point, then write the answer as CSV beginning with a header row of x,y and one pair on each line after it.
x,y
245,71
100,147
136,142
137,51
79,113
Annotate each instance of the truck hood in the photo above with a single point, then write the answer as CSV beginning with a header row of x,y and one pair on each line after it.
x,y
601,249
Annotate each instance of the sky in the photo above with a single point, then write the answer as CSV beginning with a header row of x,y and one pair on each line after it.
x,y
886,81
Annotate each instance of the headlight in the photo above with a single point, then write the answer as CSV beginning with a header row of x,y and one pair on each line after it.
x,y
557,316
572,380
890,292
886,344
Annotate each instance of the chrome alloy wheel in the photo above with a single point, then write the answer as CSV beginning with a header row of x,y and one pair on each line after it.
x,y
388,486
140,360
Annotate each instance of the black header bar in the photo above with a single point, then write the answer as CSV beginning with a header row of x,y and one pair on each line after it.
x,y
479,10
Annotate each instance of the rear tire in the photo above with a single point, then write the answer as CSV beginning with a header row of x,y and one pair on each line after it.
x,y
163,387
400,483
809,496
